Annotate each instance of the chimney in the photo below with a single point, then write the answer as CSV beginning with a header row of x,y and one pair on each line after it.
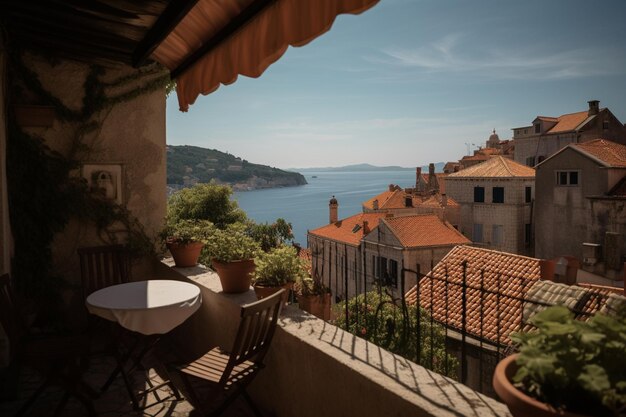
x,y
444,200
392,187
332,208
366,227
418,174
594,107
408,201
546,268
375,204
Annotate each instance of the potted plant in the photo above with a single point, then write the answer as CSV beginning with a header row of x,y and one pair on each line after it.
x,y
566,367
231,253
276,269
313,296
185,239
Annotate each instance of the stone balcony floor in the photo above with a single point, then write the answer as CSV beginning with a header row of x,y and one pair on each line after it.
x,y
114,402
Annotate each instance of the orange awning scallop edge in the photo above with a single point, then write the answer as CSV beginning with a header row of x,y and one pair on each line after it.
x,y
252,48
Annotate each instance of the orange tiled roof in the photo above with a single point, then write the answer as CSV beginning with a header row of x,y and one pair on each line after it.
x,y
424,230
512,292
611,153
305,255
568,122
382,199
346,230
435,201
440,180
504,273
497,166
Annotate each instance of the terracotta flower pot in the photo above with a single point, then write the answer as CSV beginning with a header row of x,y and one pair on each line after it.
x,y
262,291
235,276
318,305
520,404
185,255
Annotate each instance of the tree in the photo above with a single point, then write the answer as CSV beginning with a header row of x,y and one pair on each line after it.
x,y
270,235
377,317
205,202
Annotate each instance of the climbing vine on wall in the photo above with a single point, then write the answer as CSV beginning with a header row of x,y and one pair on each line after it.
x,y
44,195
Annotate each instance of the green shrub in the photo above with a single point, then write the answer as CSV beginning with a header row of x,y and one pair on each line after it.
x,y
278,267
574,365
381,320
205,202
271,235
229,244
187,231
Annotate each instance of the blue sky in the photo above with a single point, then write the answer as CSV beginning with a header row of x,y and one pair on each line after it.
x,y
410,82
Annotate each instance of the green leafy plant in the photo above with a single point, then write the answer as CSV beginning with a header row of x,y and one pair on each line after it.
x,y
271,235
205,202
375,316
279,266
187,231
308,286
229,244
572,364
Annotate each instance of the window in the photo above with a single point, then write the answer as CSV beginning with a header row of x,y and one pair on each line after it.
x,y
530,161
497,235
478,233
565,178
538,128
497,195
479,194
392,279
527,235
605,125
529,194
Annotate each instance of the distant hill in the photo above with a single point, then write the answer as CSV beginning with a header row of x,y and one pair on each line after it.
x,y
187,165
368,167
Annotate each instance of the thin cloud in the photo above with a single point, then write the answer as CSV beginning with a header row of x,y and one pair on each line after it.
x,y
449,55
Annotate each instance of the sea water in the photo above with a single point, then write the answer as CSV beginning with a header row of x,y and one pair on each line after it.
x,y
306,206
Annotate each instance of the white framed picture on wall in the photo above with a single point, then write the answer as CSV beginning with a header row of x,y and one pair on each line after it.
x,y
104,180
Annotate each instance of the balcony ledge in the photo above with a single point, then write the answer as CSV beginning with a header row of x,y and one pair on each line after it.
x,y
316,369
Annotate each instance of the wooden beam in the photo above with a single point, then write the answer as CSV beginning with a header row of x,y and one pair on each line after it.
x,y
165,24
233,26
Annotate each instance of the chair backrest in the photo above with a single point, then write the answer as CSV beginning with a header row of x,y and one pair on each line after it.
x,y
103,266
255,333
9,315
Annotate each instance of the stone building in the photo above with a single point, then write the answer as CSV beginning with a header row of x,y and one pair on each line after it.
x,y
495,199
353,254
580,206
547,135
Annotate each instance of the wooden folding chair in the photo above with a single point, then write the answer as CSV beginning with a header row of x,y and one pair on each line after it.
x,y
230,373
103,266
60,359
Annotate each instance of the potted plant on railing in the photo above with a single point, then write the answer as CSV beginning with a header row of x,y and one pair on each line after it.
x,y
313,296
566,367
276,269
231,253
185,239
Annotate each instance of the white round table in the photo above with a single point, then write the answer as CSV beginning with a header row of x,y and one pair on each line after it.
x,y
146,307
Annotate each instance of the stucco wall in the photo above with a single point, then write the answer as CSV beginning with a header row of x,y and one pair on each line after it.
x,y
131,134
562,213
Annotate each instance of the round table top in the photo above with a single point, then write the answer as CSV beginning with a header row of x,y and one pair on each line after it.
x,y
147,307
143,295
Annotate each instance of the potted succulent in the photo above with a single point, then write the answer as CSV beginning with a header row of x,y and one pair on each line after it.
x,y
231,253
185,239
313,296
276,269
566,367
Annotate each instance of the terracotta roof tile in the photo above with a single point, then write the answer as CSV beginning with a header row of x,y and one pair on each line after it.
x,y
496,166
441,180
568,122
435,201
350,229
510,293
382,199
424,230
611,153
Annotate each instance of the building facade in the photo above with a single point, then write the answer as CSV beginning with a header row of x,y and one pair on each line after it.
x,y
495,199
547,135
580,205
